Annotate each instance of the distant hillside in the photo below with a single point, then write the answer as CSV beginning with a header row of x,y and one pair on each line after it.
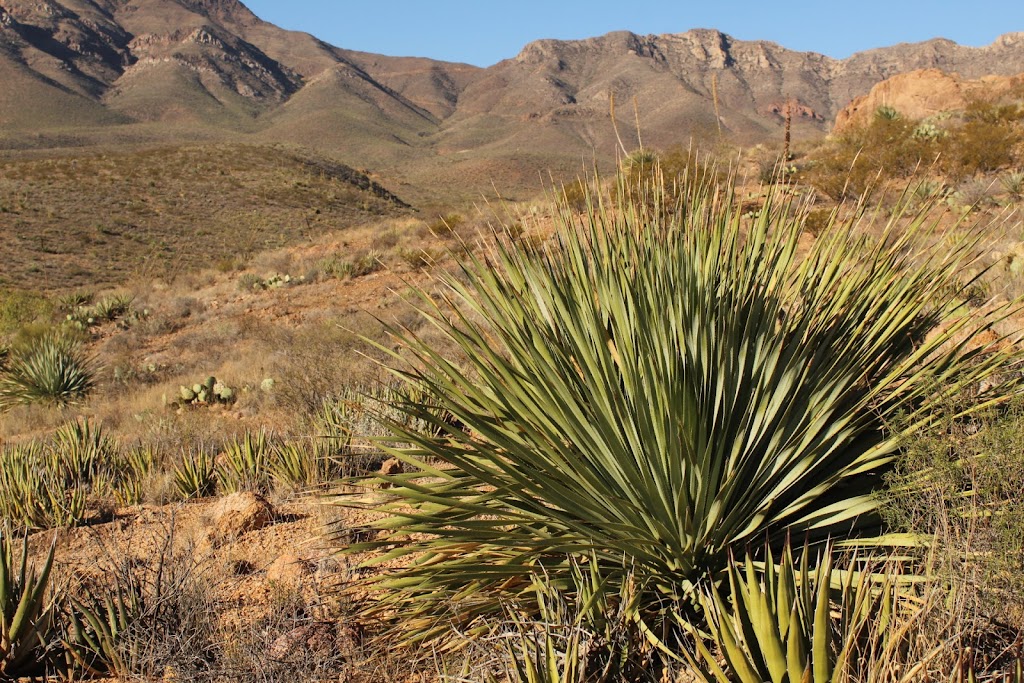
x,y
90,218
88,72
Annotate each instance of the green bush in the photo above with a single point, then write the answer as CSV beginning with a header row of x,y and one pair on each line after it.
x,y
195,476
248,282
34,491
861,158
675,173
18,308
245,464
53,370
362,264
981,146
446,225
655,390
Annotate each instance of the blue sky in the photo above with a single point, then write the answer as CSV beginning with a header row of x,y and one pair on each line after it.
x,y
483,32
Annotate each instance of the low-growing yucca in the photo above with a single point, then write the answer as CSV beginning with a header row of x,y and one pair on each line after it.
x,y
35,489
195,476
53,370
654,388
27,611
245,464
808,620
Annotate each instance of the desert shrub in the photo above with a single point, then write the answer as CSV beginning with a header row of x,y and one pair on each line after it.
x,y
46,484
195,476
34,493
994,111
19,308
245,464
248,282
786,622
662,178
418,259
1013,184
974,192
112,307
363,263
383,241
818,220
134,467
297,640
67,303
108,309
446,225
981,146
54,371
151,618
958,487
867,155
574,195
312,366
655,391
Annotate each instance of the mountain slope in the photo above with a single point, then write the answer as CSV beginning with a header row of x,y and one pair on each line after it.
x,y
208,68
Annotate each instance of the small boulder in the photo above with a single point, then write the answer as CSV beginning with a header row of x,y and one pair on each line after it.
x,y
237,514
391,467
288,570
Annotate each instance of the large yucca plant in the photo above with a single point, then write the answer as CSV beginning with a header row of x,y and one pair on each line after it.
x,y
53,370
659,388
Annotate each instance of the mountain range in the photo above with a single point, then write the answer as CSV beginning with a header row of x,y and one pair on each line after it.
x,y
103,72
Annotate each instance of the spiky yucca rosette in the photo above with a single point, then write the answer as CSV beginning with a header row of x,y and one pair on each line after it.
x,y
650,390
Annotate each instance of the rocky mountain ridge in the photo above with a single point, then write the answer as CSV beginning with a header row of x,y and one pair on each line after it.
x,y
213,66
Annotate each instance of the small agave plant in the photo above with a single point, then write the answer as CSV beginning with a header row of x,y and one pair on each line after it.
x,y
27,612
777,623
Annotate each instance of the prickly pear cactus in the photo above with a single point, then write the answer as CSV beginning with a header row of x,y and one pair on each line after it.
x,y
211,391
223,392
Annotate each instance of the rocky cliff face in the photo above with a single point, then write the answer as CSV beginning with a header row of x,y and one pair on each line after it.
x,y
924,93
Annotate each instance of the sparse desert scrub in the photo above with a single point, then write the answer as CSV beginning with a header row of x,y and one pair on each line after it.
x,y
145,618
20,308
983,139
957,487
653,391
179,221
